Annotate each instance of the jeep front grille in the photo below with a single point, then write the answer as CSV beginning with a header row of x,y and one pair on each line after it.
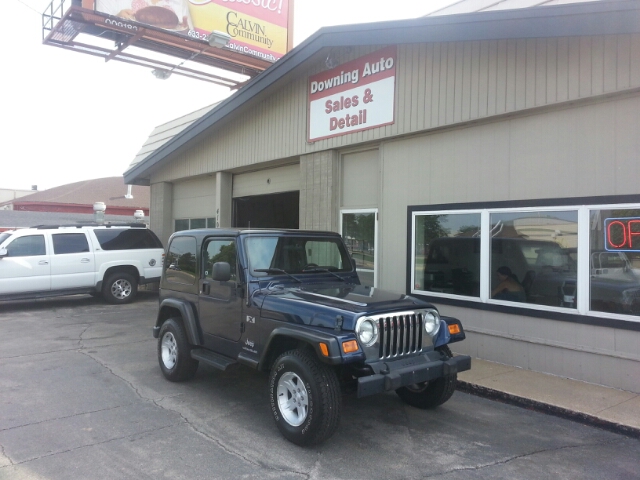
x,y
400,334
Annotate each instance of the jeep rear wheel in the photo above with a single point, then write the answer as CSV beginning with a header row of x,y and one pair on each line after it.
x,y
430,394
304,394
120,287
174,353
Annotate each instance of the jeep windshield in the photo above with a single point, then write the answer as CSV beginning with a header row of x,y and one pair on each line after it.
x,y
270,255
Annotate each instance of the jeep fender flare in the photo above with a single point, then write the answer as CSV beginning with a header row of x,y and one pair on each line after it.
x,y
188,319
309,336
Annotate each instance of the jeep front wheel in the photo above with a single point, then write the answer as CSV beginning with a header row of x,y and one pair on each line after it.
x,y
174,353
430,394
120,287
304,394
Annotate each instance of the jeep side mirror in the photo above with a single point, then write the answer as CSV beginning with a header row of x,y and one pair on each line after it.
x,y
221,272
3,252
353,263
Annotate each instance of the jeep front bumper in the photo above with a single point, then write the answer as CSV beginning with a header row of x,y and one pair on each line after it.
x,y
408,371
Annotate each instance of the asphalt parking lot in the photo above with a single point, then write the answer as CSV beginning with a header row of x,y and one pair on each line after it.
x,y
81,396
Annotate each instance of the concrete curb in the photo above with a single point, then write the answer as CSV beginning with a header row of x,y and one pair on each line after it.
x,y
549,409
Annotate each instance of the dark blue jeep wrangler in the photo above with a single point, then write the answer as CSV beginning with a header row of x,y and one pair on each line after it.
x,y
289,302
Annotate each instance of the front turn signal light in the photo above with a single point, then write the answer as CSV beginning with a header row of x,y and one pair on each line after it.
x,y
453,329
350,346
324,349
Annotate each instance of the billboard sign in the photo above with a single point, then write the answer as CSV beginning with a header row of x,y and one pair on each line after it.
x,y
259,28
355,96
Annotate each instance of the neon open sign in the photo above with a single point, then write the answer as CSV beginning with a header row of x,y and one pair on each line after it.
x,y
622,234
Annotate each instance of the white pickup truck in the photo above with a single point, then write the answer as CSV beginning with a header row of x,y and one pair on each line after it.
x,y
109,260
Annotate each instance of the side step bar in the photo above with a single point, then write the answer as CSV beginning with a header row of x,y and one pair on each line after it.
x,y
218,361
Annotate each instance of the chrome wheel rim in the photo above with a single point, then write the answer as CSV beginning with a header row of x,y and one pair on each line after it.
x,y
169,350
293,400
121,289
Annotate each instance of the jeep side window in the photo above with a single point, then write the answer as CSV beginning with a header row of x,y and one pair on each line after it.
x,y
27,246
180,262
69,243
220,250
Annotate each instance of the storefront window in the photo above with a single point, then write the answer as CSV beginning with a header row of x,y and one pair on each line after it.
x,y
614,247
581,259
447,253
533,257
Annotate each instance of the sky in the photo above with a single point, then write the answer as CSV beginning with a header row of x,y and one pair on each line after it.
x,y
69,116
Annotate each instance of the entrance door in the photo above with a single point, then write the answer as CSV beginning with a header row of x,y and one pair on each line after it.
x,y
220,302
359,229
276,210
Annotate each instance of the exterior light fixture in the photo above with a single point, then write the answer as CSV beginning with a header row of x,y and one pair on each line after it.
x,y
219,39
161,73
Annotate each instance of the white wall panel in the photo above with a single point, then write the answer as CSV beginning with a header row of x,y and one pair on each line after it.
x,y
263,182
195,198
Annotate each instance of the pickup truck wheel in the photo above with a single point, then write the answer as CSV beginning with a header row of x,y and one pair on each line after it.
x,y
120,287
430,394
174,353
305,397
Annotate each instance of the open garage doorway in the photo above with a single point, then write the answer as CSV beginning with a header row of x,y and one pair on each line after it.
x,y
277,210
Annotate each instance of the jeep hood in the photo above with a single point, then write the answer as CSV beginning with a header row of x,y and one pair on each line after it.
x,y
319,305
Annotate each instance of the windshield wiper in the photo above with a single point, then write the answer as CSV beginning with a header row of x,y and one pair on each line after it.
x,y
323,270
276,270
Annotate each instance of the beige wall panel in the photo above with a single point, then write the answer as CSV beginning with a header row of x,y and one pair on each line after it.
x,y
523,341
360,179
195,198
538,156
264,182
319,181
437,85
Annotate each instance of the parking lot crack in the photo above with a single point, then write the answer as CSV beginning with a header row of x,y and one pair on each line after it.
x,y
191,426
63,418
230,451
90,445
4,455
510,459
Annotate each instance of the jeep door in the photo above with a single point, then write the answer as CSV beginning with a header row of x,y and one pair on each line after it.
x,y
26,268
220,303
72,262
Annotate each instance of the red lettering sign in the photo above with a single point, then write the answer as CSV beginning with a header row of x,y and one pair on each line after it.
x,y
622,234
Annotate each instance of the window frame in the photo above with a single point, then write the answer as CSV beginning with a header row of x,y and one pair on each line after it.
x,y
583,207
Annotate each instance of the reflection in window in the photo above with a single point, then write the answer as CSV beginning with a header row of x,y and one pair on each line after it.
x,y
533,257
220,250
27,246
358,232
180,261
447,256
69,243
614,247
182,224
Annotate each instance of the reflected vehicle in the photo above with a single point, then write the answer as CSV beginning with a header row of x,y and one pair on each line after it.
x,y
615,284
546,270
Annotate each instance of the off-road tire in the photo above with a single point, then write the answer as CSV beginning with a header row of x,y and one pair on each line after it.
x,y
305,398
119,288
174,352
433,393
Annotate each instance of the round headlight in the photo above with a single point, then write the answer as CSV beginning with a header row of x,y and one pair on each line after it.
x,y
431,322
367,331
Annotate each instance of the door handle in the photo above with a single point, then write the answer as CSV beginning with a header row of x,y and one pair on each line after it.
x,y
85,260
43,262
206,288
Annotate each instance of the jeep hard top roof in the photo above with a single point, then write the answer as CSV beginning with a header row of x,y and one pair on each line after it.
x,y
255,231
